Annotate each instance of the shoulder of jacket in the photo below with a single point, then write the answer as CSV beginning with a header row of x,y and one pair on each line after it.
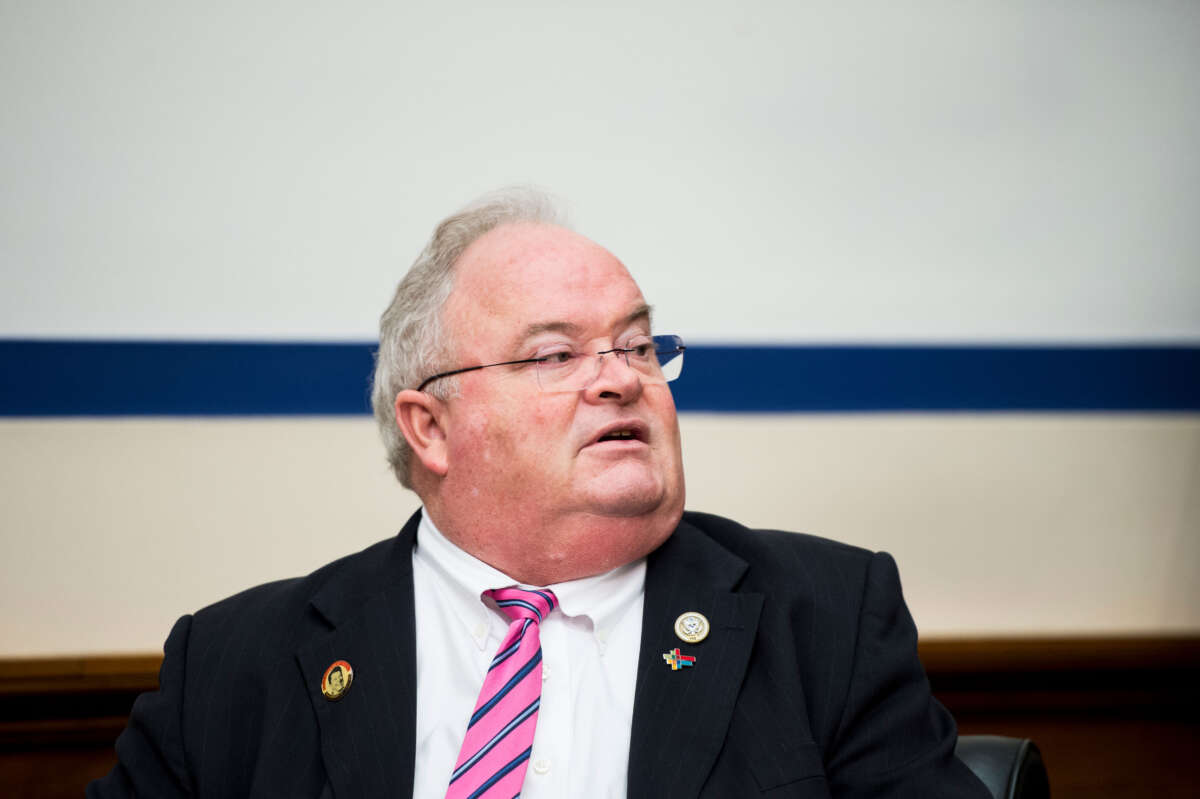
x,y
282,604
747,541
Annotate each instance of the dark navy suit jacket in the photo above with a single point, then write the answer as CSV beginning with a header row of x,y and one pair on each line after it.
x,y
808,684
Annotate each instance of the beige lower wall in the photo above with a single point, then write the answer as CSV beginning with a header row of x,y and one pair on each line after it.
x,y
1002,524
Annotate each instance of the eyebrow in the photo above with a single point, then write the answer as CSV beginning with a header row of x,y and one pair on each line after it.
x,y
643,311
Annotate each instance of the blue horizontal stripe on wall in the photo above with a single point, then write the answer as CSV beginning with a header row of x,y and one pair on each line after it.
x,y
120,378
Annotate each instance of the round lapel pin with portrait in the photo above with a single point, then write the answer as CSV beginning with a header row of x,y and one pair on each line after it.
x,y
691,627
337,679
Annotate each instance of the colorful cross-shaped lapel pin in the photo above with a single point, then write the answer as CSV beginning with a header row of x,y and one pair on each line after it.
x,y
677,660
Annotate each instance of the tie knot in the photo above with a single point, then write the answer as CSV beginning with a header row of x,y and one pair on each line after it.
x,y
521,604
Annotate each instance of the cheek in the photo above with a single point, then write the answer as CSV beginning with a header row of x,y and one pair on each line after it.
x,y
500,439
663,408
540,419
537,437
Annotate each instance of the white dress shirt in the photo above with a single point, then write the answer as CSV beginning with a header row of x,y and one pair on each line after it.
x,y
590,646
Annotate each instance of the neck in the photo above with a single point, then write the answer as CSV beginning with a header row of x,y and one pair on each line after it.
x,y
539,551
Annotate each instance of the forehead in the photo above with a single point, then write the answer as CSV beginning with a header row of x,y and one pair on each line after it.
x,y
521,276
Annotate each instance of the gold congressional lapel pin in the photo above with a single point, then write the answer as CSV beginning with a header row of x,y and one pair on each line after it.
x,y
337,679
691,627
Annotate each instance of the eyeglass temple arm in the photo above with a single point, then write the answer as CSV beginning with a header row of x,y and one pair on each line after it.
x,y
453,372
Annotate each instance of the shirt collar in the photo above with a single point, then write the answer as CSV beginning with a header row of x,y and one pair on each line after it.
x,y
462,579
603,598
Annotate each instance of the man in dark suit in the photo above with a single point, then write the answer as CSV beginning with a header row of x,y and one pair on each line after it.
x,y
521,394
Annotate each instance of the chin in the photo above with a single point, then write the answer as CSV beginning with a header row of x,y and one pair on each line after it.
x,y
627,489
627,498
626,507
633,501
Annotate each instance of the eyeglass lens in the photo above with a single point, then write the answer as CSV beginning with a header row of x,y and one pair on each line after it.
x,y
660,362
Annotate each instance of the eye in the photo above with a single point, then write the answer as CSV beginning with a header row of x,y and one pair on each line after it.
x,y
641,347
555,357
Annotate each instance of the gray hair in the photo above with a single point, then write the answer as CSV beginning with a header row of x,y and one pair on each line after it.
x,y
412,343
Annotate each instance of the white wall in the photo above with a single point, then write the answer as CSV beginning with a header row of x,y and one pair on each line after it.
x,y
831,170
798,172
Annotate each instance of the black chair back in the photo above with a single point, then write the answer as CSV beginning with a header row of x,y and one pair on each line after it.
x,y
1011,768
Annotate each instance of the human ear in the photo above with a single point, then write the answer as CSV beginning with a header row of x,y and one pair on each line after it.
x,y
420,418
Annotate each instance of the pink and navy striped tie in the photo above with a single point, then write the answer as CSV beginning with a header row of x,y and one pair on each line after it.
x,y
495,752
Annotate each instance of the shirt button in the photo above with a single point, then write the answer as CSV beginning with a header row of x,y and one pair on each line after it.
x,y
545,672
480,630
541,766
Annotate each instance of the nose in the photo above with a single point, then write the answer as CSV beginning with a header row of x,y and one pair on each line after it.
x,y
615,379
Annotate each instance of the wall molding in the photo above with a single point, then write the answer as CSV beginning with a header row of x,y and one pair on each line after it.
x,y
1101,709
23,676
1147,676
53,701
79,674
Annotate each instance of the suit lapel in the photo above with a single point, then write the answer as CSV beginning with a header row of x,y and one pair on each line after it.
x,y
368,737
680,717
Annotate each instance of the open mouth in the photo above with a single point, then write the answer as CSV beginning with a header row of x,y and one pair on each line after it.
x,y
623,431
621,435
